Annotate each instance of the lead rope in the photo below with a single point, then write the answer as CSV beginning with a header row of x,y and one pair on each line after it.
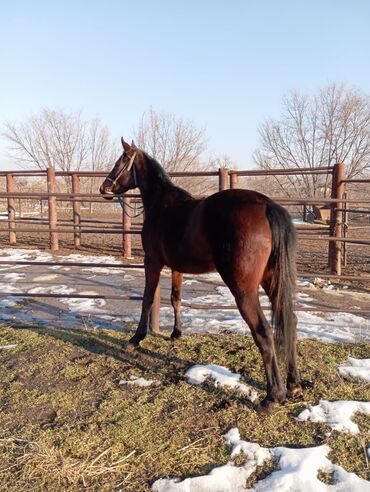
x,y
137,210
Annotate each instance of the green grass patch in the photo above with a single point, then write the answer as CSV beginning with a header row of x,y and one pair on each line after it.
x,y
67,424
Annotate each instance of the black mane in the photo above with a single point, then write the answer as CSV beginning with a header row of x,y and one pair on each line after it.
x,y
159,173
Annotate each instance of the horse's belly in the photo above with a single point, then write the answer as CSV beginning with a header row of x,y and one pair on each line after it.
x,y
190,257
190,265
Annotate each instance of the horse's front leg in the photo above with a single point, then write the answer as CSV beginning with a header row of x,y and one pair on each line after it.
x,y
152,273
176,302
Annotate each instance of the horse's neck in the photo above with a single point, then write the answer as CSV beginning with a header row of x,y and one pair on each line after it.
x,y
157,188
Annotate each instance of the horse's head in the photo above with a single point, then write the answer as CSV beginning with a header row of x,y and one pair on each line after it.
x,y
123,175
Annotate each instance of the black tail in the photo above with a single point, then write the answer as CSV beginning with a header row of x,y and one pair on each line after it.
x,y
283,283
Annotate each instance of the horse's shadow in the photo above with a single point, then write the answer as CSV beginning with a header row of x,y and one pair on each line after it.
x,y
167,365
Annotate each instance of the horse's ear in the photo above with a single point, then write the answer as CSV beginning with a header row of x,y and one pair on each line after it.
x,y
133,146
126,146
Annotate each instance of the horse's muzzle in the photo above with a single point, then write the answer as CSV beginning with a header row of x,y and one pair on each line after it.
x,y
107,191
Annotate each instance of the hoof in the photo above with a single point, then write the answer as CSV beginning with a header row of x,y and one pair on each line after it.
x,y
295,393
157,334
266,406
175,335
130,347
133,344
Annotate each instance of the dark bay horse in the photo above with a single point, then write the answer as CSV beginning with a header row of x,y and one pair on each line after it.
x,y
245,236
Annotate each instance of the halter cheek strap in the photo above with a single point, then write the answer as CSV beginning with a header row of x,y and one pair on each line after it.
x,y
124,169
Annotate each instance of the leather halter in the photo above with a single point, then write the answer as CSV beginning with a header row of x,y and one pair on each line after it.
x,y
123,170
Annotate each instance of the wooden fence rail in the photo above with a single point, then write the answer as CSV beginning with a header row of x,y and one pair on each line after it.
x,y
227,178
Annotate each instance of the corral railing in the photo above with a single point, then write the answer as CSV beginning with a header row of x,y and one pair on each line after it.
x,y
54,224
76,225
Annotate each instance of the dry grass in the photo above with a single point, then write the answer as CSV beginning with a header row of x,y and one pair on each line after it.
x,y
66,423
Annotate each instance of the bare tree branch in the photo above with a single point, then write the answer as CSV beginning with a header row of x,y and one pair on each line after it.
x,y
177,144
333,126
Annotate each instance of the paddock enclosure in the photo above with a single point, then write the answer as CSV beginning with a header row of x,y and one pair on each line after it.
x,y
80,413
63,211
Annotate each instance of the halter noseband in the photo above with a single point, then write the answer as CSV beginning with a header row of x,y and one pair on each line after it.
x,y
124,169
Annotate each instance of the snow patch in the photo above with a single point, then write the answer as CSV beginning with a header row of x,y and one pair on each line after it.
x,y
227,478
297,471
333,327
357,368
25,255
128,278
221,376
338,414
78,258
52,289
134,380
8,347
45,278
13,277
81,305
191,281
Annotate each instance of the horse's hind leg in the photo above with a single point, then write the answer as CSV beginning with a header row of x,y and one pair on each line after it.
x,y
176,302
293,378
152,273
251,311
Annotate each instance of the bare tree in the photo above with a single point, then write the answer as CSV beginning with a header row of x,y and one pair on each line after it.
x,y
177,144
52,138
319,131
59,139
62,140
102,152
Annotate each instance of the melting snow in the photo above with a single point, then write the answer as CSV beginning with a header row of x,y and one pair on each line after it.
x,y
357,368
221,376
8,347
25,255
13,277
191,281
297,471
332,327
52,289
338,414
45,278
85,305
139,381
78,258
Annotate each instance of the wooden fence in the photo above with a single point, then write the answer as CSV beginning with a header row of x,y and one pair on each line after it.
x,y
338,204
339,207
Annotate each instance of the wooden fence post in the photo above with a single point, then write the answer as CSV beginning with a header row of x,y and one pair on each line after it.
x,y
223,178
345,226
76,210
126,225
233,181
52,205
335,247
11,208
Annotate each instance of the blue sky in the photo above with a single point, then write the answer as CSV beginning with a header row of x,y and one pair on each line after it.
x,y
225,65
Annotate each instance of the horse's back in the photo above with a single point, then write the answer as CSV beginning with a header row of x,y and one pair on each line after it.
x,y
236,212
